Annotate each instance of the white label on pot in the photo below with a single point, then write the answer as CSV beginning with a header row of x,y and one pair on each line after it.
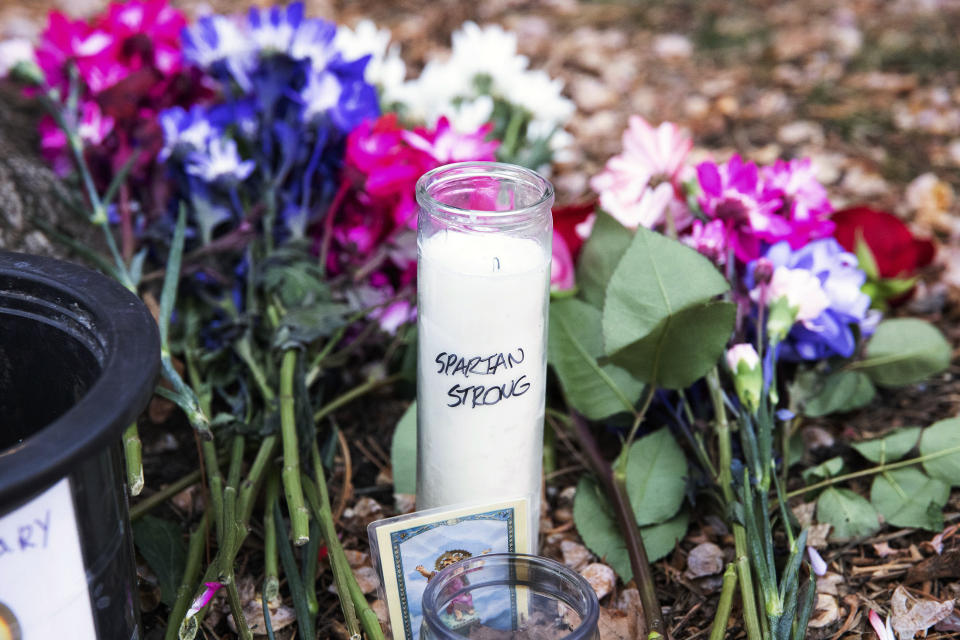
x,y
43,585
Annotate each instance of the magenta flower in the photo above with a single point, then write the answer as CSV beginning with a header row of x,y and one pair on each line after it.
x,y
149,31
561,267
66,40
129,36
203,599
733,193
637,186
805,201
93,128
446,145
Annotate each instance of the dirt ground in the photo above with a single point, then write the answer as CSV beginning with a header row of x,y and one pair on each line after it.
x,y
869,89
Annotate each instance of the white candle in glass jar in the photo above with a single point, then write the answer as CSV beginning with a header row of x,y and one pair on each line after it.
x,y
483,295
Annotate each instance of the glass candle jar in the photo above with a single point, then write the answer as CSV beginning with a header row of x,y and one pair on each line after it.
x,y
509,596
484,237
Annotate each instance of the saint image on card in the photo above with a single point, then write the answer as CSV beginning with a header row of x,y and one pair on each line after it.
x,y
414,550
9,626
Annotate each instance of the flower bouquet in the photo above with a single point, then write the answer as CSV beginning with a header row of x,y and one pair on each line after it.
x,y
253,177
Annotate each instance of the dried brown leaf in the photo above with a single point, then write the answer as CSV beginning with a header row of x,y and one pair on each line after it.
x,y
911,616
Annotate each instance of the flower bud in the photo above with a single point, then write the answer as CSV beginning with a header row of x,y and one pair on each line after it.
x,y
744,363
27,72
762,271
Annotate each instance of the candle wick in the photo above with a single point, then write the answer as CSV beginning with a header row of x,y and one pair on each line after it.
x,y
496,264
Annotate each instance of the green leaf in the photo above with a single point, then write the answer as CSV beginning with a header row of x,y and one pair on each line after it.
x,y
908,498
659,297
303,325
403,452
598,528
656,477
160,542
889,448
904,351
669,358
656,278
574,346
824,470
851,515
943,438
660,539
841,391
599,257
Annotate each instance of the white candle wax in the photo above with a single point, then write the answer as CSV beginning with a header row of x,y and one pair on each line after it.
x,y
482,315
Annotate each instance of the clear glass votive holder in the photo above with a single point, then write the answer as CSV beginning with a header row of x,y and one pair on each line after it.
x,y
509,596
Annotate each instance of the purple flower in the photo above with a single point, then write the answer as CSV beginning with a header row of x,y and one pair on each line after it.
x,y
184,132
220,163
732,192
830,333
215,41
817,563
273,29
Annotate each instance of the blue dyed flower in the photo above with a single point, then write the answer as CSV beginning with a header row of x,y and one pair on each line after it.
x,y
313,41
831,333
216,43
220,163
184,132
273,29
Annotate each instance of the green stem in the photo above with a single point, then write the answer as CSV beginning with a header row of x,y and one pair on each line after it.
x,y
250,486
271,571
299,515
309,568
133,455
228,550
190,575
143,506
237,446
725,480
353,394
722,617
873,470
511,136
637,421
215,485
320,502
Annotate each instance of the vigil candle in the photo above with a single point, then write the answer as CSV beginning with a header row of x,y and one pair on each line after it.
x,y
484,234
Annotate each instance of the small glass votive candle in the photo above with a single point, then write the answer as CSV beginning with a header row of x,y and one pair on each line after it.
x,y
509,596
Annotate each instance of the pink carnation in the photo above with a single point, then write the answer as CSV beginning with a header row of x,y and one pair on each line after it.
x,y
639,186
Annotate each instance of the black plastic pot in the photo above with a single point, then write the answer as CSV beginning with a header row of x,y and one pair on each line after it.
x,y
79,357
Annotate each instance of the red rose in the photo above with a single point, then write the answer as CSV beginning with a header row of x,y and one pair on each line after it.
x,y
566,219
898,254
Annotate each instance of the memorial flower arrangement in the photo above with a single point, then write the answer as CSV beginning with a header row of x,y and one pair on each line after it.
x,y
253,177
729,294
